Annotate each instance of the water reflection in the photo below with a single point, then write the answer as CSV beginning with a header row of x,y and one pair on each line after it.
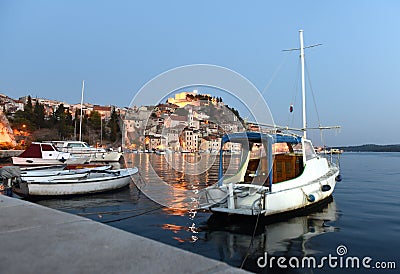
x,y
234,240
162,178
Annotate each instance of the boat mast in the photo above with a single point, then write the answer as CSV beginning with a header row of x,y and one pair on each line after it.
x,y
80,121
303,84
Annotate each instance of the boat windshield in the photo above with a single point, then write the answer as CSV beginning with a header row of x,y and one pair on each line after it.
x,y
309,151
47,147
77,144
251,167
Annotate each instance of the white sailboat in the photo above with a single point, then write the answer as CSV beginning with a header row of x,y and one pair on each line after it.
x,y
278,173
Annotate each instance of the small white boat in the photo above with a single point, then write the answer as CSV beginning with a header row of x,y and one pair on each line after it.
x,y
94,182
332,151
82,149
45,154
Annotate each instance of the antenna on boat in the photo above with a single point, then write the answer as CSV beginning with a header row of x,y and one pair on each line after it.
x,y
80,121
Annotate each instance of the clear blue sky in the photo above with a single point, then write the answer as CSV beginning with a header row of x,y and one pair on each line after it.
x,y
48,47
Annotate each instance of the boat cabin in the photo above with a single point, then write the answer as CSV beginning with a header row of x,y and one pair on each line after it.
x,y
44,151
265,159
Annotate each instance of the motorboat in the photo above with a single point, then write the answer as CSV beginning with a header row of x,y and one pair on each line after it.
x,y
46,154
83,149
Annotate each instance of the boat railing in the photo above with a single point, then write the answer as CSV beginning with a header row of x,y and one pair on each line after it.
x,y
334,158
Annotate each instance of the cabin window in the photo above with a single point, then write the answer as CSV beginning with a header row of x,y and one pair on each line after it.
x,y
75,145
280,148
232,164
257,169
309,151
47,147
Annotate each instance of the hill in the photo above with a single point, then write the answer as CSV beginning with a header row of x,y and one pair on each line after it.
x,y
373,148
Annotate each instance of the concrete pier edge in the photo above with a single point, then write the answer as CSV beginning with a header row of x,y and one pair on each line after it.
x,y
37,239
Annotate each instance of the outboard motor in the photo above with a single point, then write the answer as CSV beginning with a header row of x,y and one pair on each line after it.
x,y
10,175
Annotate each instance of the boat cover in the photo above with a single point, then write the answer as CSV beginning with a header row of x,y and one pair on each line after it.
x,y
244,137
9,172
33,151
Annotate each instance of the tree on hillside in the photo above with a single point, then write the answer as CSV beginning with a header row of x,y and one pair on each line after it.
x,y
38,115
113,124
28,108
20,119
95,120
63,121
25,118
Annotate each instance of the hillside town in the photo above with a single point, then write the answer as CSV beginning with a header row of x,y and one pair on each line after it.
x,y
11,106
38,119
187,122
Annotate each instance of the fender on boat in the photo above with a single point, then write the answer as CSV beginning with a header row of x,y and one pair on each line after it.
x,y
325,188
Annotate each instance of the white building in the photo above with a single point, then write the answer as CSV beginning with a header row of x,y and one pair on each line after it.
x,y
190,139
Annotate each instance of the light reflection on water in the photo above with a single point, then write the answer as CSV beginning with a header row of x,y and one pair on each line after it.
x,y
162,180
365,204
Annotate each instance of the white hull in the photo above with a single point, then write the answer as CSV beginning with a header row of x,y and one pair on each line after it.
x,y
21,161
109,156
249,199
96,182
112,156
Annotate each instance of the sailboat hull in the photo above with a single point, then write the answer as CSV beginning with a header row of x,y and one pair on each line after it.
x,y
315,184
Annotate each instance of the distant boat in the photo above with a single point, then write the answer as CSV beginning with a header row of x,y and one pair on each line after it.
x,y
268,183
93,182
332,151
82,149
160,152
43,154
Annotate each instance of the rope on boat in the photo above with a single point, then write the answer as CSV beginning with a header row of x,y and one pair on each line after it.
x,y
132,216
252,240
110,212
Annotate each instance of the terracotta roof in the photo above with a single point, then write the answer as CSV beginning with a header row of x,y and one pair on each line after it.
x,y
178,118
101,108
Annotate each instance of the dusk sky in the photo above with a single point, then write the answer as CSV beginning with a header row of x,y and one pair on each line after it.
x,y
48,47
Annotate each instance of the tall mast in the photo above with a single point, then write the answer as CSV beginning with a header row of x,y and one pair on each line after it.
x,y
80,121
303,84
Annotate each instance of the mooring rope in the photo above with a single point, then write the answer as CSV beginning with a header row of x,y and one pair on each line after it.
x,y
252,240
132,216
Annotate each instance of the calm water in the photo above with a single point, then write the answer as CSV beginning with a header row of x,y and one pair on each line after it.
x,y
363,216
